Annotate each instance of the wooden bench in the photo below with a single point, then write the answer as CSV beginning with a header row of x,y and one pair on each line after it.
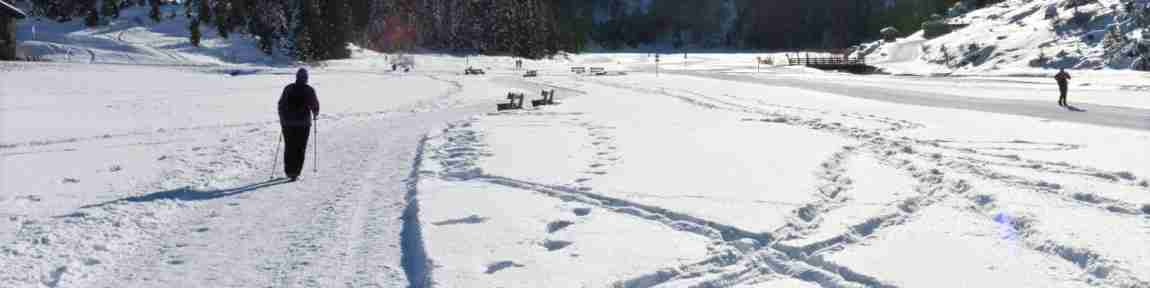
x,y
515,102
531,73
548,99
579,70
473,71
598,71
407,62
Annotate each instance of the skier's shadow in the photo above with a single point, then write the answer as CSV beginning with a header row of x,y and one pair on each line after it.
x,y
189,194
1074,109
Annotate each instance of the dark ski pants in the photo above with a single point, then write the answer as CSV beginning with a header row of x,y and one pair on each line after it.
x,y
295,139
1062,87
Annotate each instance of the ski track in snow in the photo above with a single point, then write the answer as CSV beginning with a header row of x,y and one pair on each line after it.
x,y
944,171
935,186
346,228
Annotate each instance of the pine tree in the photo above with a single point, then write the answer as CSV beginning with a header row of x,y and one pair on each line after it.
x,y
334,30
220,18
360,15
110,8
260,24
204,11
302,19
503,38
93,18
238,18
154,13
1112,41
265,42
194,29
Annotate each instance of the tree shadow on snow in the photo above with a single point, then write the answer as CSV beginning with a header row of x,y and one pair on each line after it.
x,y
189,194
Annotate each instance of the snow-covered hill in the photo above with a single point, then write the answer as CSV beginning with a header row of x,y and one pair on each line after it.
x,y
1018,38
134,38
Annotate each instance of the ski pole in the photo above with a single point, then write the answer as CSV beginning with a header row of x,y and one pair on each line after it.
x,y
315,147
276,159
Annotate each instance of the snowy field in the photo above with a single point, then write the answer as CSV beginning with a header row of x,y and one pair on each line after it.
x,y
715,172
677,180
828,189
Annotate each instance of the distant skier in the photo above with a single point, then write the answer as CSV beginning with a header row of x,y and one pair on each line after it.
x,y
298,106
1063,79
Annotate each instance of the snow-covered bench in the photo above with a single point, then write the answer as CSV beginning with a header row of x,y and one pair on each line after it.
x,y
548,99
599,71
515,101
407,62
473,71
579,70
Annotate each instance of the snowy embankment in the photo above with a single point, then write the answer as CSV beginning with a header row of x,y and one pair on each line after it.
x,y
1019,38
1012,50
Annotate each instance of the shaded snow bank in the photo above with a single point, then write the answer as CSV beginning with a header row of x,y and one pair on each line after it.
x,y
1018,38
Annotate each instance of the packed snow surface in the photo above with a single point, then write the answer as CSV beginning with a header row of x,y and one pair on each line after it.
x,y
713,172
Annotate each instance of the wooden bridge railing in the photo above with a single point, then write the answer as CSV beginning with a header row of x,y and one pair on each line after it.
x,y
809,61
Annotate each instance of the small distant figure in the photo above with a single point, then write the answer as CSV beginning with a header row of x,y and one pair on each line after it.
x,y
298,106
1063,79
1051,11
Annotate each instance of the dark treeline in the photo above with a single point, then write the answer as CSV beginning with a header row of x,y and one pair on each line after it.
x,y
758,24
534,28
320,29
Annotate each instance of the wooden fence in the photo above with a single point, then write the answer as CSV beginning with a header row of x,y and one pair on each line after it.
x,y
824,60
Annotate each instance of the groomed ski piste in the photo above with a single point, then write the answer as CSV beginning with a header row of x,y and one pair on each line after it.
x,y
161,172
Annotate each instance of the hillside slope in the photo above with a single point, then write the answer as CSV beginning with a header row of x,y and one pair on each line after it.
x,y
1017,38
133,38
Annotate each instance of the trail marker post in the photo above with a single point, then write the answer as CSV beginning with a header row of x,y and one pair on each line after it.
x,y
656,65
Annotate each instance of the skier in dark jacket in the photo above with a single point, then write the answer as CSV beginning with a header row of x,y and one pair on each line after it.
x,y
1063,79
298,106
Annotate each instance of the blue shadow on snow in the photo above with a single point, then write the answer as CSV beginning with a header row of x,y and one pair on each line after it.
x,y
189,194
